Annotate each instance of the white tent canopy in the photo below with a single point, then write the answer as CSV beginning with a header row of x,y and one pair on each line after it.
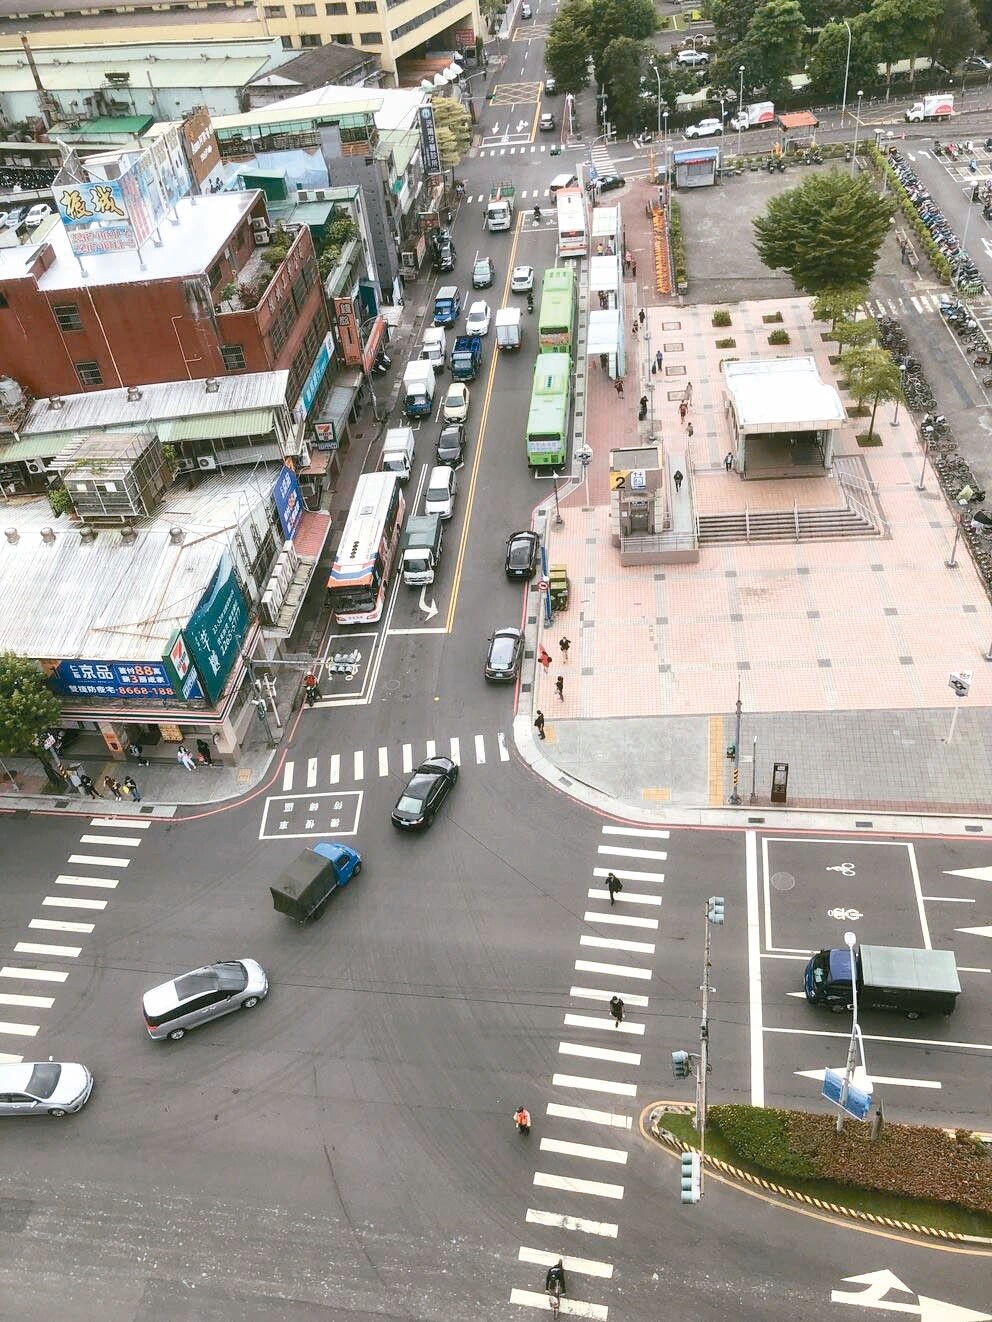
x,y
781,395
605,222
604,331
604,274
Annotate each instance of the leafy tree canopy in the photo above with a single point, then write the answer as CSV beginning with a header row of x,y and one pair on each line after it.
x,y
27,705
828,62
955,33
566,51
623,62
771,49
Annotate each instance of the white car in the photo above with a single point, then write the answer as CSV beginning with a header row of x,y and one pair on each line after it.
x,y
46,1088
704,129
522,279
455,406
39,212
478,318
692,59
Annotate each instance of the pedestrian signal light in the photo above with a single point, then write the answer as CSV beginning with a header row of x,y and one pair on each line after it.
x,y
691,1177
715,909
681,1064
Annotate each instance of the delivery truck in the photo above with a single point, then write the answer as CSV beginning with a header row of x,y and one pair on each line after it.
x,y
421,549
938,106
508,331
499,208
435,347
916,982
418,389
466,357
397,453
305,886
447,305
758,114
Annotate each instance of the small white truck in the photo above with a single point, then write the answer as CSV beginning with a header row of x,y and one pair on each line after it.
x,y
421,549
397,453
435,347
759,114
938,106
508,332
500,207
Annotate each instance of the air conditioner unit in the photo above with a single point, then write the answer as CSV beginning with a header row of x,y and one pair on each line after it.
x,y
206,461
261,238
260,223
36,466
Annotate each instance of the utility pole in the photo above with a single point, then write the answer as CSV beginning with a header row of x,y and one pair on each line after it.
x,y
735,796
692,1163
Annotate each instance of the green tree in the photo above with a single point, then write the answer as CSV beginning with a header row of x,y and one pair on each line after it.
x,y
623,62
27,708
903,27
826,233
770,51
491,11
856,334
828,61
873,375
983,14
731,19
955,33
566,51
609,19
834,304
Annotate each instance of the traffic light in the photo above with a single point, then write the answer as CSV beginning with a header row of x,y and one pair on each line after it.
x,y
681,1064
715,909
691,1177
731,752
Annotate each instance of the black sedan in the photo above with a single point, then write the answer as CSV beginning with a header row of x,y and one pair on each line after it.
x,y
506,652
450,448
522,550
426,790
607,182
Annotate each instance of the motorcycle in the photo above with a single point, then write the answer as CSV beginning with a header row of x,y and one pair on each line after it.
x,y
973,166
530,302
937,148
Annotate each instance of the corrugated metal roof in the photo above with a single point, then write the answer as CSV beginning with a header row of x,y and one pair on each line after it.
x,y
257,423
233,72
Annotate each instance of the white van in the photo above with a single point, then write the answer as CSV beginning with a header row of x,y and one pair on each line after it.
x,y
441,487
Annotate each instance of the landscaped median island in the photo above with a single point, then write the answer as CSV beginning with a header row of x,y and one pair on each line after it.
x,y
914,1175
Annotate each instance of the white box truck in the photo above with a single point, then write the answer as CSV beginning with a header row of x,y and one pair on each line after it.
x,y
938,106
435,347
421,549
418,389
499,208
508,333
757,115
397,452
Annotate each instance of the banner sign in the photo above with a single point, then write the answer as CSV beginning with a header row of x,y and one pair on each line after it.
x,y
179,665
112,679
216,628
289,501
95,217
428,141
349,340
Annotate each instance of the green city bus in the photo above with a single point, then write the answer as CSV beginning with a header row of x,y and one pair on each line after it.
x,y
556,324
547,422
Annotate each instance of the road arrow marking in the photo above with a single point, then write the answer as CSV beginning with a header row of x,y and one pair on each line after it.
x,y
881,1282
976,874
975,931
429,609
865,1081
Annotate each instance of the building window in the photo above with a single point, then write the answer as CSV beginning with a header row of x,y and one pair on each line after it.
x,y
3,301
345,39
425,17
214,274
287,43
275,11
335,11
89,374
309,39
305,11
371,39
234,357
366,7
67,315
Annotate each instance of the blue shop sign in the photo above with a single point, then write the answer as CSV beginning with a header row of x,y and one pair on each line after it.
x,y
216,628
314,377
289,501
112,679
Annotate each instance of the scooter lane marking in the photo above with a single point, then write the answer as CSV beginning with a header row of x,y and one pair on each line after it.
x,y
608,1229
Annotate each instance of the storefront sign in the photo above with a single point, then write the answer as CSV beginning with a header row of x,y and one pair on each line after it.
x,y
289,501
428,141
112,679
324,437
312,384
349,338
180,668
216,628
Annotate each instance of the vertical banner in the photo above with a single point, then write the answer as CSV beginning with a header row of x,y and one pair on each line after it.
x,y
428,141
349,340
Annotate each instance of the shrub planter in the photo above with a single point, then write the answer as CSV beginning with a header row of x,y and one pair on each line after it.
x,y
726,344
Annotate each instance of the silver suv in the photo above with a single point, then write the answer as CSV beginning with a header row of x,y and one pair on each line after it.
x,y
204,994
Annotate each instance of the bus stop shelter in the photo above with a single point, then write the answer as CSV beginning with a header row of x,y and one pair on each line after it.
x,y
606,231
605,337
798,129
695,167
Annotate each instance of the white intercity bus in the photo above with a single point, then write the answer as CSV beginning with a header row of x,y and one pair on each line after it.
x,y
573,232
366,554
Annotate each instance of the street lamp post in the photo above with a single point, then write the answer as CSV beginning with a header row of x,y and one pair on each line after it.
x,y
857,126
658,80
740,110
847,70
850,940
902,377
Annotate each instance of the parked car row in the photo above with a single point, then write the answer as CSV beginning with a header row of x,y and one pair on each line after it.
x,y
28,217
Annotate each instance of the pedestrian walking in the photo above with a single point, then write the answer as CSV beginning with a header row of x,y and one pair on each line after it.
x,y
728,461
75,780
658,358
564,644
614,885
618,385
616,1010
112,786
633,329
633,267
87,784
642,408
687,395
688,430
599,249
203,748
641,316
683,410
132,789
560,687
135,751
539,724
185,758
678,479
627,259
544,659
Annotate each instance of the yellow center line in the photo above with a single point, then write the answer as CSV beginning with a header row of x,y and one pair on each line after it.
x,y
474,479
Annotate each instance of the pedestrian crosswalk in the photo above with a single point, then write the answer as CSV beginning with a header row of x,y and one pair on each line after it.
x,y
902,307
602,160
535,194
360,764
512,149
598,1105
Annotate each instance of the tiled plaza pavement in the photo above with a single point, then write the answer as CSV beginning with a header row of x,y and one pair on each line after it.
x,y
842,650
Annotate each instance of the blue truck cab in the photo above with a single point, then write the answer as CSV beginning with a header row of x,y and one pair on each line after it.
x,y
305,886
466,357
447,305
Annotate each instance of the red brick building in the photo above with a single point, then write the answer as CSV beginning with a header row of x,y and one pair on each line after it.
x,y
201,304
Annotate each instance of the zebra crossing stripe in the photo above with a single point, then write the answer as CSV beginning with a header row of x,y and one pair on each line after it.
x,y
612,943
599,1053
589,1116
588,1151
581,1266
407,759
619,919
630,897
335,768
574,1307
559,1221
504,752
311,772
602,1024
594,1085
596,1188
359,765
601,994
629,876
480,749
640,832
431,748
287,777
383,761
614,970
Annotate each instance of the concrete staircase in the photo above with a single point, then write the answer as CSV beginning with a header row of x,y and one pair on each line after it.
x,y
795,525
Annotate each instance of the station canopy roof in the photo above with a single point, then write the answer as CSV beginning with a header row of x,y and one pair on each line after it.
x,y
782,395
604,330
603,274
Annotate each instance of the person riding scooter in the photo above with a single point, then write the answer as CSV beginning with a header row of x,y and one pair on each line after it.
x,y
530,300
537,215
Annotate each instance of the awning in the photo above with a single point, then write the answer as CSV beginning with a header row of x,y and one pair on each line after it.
x,y
604,274
339,401
605,222
216,426
604,331
799,119
43,446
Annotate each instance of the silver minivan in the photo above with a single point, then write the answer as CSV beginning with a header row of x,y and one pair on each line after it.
x,y
441,488
203,994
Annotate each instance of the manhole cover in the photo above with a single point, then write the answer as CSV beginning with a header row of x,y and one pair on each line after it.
x,y
783,881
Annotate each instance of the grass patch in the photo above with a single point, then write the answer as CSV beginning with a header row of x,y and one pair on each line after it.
x,y
729,343
770,317
918,1211
866,438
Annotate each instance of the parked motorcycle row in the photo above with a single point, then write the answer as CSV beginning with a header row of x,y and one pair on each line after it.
x,y
964,272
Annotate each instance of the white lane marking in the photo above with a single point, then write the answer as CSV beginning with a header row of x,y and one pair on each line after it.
x,y
34,948
596,1188
594,1085
629,876
975,931
610,943
600,994
861,1079
75,902
920,906
480,749
620,851
946,899
105,883
128,841
966,968
99,862
973,874
588,1151
599,1053
641,832
34,975
7,1059
609,1229
335,768
754,969
605,1022
431,748
588,1115
878,1037
311,772
632,897
616,970
581,1266
407,759
116,821
359,765
51,925
19,1030
40,1002
619,919
456,750
287,776
504,752
383,761
575,1307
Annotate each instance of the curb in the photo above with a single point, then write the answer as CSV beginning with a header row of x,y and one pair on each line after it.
x,y
734,1174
